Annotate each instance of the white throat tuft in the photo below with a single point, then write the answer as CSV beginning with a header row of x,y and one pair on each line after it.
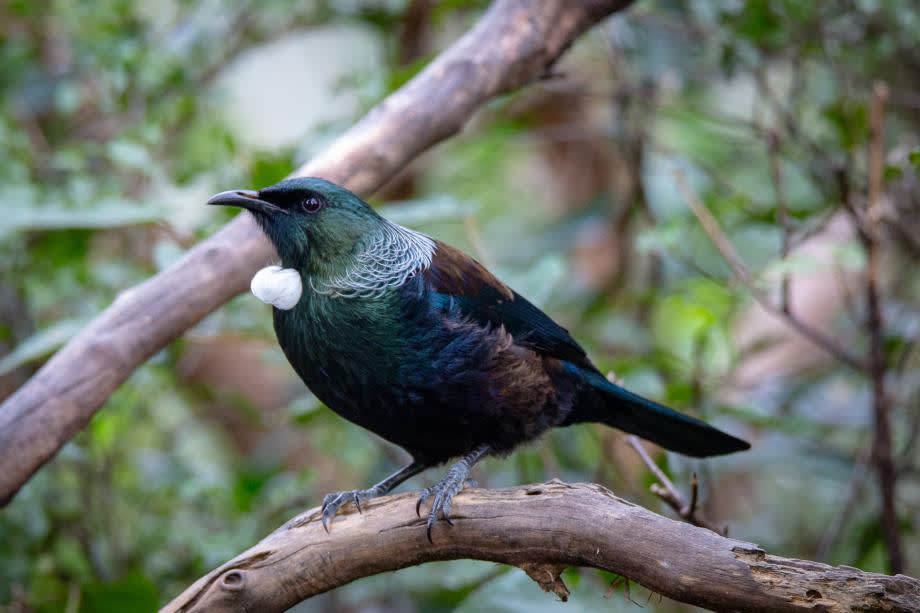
x,y
279,287
393,255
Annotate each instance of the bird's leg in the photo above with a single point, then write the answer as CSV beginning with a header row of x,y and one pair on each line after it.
x,y
332,502
445,489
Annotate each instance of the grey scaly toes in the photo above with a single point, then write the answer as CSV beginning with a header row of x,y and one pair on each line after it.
x,y
332,502
443,493
445,489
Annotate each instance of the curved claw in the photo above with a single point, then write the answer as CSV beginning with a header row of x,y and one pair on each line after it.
x,y
444,493
327,514
436,506
430,526
332,503
445,508
440,504
426,493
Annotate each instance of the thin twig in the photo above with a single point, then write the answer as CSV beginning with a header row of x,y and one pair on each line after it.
x,y
782,215
878,362
739,269
613,586
694,493
714,232
854,485
669,494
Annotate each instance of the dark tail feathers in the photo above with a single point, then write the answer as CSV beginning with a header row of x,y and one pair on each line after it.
x,y
620,408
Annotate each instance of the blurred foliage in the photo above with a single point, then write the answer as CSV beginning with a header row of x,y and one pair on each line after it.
x,y
114,129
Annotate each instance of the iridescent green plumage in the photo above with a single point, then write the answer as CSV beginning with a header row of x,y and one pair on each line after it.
x,y
417,342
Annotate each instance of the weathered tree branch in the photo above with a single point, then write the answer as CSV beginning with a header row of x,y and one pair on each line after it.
x,y
515,42
542,529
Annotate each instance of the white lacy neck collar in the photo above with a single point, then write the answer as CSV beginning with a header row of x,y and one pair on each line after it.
x,y
393,256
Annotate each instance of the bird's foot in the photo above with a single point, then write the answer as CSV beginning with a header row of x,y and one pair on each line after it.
x,y
332,502
443,491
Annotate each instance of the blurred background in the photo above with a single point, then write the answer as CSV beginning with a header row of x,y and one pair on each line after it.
x,y
119,118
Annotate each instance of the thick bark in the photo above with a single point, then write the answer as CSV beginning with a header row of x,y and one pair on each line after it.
x,y
541,528
515,42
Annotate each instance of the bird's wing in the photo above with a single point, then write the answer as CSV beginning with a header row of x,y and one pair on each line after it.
x,y
458,280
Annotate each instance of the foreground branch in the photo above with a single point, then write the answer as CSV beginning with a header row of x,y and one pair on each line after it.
x,y
542,529
515,42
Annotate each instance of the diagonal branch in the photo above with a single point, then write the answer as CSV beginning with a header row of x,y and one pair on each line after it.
x,y
668,494
542,529
714,231
515,42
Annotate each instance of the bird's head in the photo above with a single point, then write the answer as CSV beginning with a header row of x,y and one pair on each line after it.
x,y
312,223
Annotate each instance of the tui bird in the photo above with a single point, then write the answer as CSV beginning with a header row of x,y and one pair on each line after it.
x,y
417,342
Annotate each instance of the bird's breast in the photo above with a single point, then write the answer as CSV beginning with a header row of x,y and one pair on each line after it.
x,y
349,349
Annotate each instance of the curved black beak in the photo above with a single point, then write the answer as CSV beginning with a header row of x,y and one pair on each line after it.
x,y
245,199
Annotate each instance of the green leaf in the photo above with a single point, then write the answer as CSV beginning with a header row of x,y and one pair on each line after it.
x,y
914,157
41,344
133,592
850,120
105,214
304,408
403,74
799,263
849,255
427,210
542,280
70,558
661,238
268,169
893,172
691,326
129,155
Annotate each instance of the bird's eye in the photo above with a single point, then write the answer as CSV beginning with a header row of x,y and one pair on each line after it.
x,y
312,204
